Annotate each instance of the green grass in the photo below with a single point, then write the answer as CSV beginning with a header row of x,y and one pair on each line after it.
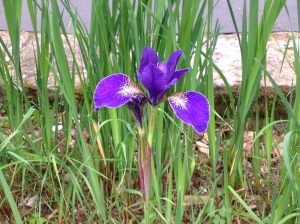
x,y
89,169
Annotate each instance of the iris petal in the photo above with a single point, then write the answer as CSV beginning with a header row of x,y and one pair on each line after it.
x,y
114,90
149,56
163,67
157,76
192,108
177,75
173,60
154,80
173,74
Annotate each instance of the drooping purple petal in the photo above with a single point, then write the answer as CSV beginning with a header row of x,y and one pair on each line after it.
x,y
173,60
114,90
154,80
192,108
149,56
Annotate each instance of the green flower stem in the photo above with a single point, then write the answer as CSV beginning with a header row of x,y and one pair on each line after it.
x,y
142,152
143,143
151,125
146,212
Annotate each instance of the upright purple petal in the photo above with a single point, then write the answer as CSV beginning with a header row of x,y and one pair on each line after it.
x,y
155,81
163,67
173,60
173,74
114,90
158,77
192,108
177,75
149,56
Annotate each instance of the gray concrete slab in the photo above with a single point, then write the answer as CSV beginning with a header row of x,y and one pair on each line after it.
x,y
221,13
283,23
83,8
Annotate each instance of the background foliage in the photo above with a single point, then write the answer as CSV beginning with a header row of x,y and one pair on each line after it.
x,y
83,163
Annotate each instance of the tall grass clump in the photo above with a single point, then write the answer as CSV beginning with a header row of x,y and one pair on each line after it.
x,y
253,39
289,181
96,152
285,202
14,108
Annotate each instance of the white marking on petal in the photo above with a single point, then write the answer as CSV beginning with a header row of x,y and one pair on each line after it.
x,y
128,90
179,101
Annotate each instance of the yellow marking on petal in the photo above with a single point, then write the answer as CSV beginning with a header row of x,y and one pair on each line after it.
x,y
129,89
179,100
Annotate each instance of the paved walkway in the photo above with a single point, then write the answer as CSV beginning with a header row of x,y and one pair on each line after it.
x,y
226,56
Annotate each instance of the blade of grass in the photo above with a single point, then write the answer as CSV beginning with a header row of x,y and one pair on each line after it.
x,y
244,204
10,199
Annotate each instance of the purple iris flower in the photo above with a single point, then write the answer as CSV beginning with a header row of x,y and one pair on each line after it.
x,y
118,89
